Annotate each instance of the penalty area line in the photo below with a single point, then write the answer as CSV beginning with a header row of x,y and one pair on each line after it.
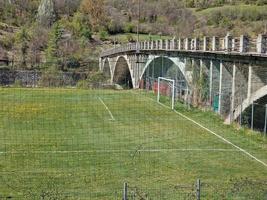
x,y
210,131
217,135
110,113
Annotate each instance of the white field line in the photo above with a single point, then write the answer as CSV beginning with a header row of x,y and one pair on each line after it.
x,y
212,132
112,117
122,151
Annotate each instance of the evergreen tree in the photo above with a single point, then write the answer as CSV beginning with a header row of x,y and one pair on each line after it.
x,y
22,40
52,52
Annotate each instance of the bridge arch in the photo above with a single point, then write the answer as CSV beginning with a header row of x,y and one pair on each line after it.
x,y
122,74
107,70
262,92
171,67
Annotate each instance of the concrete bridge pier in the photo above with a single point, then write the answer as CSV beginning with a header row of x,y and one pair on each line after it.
x,y
225,87
205,77
215,84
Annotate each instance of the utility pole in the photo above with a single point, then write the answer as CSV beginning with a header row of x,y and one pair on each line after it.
x,y
138,26
138,43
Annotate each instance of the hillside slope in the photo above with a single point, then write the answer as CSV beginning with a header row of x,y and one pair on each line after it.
x,y
80,29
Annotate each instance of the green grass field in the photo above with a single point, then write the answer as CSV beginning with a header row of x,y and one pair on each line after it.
x,y
84,144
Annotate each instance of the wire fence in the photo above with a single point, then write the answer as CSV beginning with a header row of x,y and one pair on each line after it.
x,y
65,136
198,190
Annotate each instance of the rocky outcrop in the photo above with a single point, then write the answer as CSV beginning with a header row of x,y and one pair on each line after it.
x,y
46,13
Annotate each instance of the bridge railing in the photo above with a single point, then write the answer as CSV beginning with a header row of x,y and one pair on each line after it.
x,y
227,44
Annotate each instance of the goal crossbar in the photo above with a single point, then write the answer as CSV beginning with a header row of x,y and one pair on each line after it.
x,y
173,88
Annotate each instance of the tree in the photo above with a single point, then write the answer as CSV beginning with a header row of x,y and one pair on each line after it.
x,y
95,10
52,51
22,39
66,7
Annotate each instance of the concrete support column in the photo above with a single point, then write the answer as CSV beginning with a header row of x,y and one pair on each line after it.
x,y
225,88
154,45
262,44
157,44
244,42
179,44
228,42
100,64
258,78
172,46
187,44
161,44
220,89
167,44
233,93
241,83
205,81
205,44
144,45
192,44
138,47
215,43
233,44
196,44
211,81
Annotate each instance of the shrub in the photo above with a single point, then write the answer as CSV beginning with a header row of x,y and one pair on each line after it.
x,y
82,84
73,62
18,83
115,26
103,35
129,28
86,33
130,38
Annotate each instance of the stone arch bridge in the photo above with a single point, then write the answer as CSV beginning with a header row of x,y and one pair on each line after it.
x,y
231,71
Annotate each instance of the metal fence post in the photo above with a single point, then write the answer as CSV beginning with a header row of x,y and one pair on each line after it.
x,y
252,116
265,122
125,187
198,189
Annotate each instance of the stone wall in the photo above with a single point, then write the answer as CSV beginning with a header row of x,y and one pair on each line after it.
x,y
38,78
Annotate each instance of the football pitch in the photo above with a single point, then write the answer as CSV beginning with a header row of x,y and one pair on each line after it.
x,y
85,144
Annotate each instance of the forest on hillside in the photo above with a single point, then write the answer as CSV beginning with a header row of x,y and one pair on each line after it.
x,y
68,35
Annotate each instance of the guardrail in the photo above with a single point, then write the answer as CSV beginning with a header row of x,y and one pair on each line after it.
x,y
241,45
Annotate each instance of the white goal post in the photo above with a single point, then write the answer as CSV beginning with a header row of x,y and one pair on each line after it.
x,y
171,84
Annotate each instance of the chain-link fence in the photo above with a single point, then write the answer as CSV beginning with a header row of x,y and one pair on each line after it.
x,y
68,135
242,188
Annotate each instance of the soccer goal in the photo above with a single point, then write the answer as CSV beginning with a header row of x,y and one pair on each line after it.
x,y
166,91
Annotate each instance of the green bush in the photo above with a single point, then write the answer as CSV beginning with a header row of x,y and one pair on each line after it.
x,y
73,63
18,83
129,28
86,33
130,38
261,2
103,35
82,84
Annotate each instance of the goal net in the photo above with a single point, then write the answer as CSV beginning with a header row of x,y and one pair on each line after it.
x,y
166,91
